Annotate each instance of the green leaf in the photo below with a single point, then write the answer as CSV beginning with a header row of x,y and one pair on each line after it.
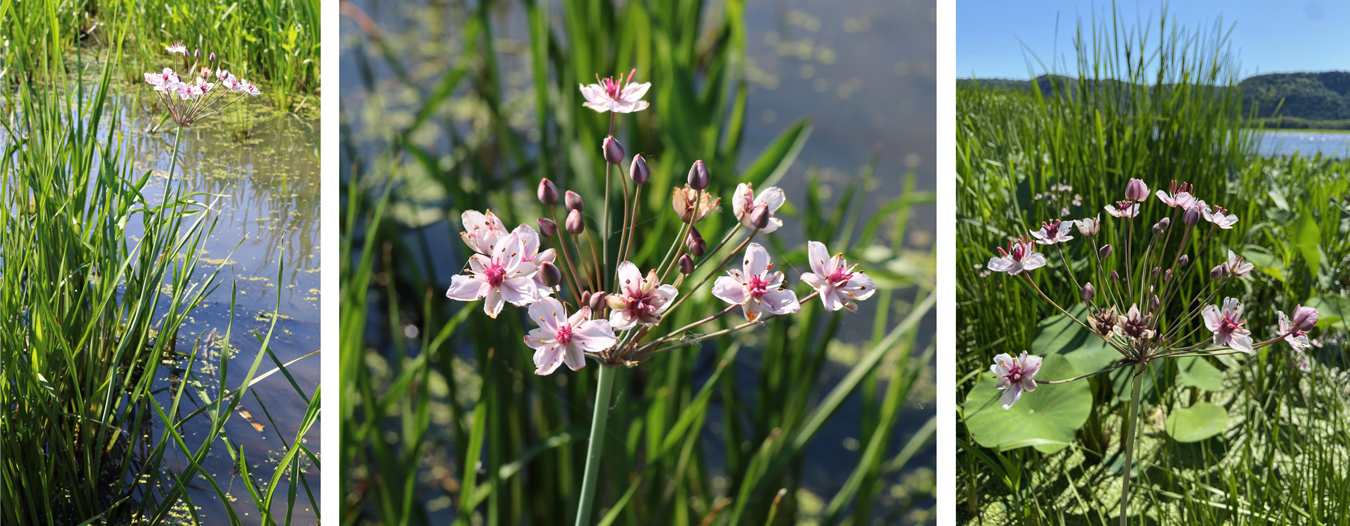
x,y
1045,418
1199,373
1197,422
1266,262
1306,235
1332,311
1060,335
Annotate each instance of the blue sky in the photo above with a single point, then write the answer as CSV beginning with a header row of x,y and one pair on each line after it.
x,y
995,39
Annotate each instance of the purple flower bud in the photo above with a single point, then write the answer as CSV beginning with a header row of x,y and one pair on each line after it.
x,y
196,53
1136,190
1185,259
213,56
699,177
549,274
586,298
638,171
573,201
760,217
597,301
1305,318
574,223
1192,216
1115,276
1165,223
613,150
1157,229
548,194
1088,292
1156,271
1154,302
1167,276
1104,252
695,243
547,227
686,264
1219,271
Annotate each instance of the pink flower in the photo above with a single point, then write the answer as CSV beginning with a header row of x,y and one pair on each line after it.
x,y
1123,209
1136,190
529,240
1219,216
618,96
1053,231
250,89
1227,325
1237,266
1090,226
1020,256
177,47
1015,376
481,230
839,284
758,288
640,301
1180,196
1291,334
562,339
500,276
1305,317
744,202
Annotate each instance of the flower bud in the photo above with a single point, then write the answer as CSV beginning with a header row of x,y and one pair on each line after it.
x,y
1219,271
1165,223
1088,292
549,274
694,242
1167,276
213,56
1185,259
760,217
698,176
1104,252
597,301
573,201
1155,272
1192,216
686,265
1115,276
586,297
547,227
548,194
638,171
196,53
1157,229
1136,190
1154,302
574,223
1305,318
613,150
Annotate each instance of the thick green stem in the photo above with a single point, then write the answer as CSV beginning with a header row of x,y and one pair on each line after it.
x,y
597,439
1130,426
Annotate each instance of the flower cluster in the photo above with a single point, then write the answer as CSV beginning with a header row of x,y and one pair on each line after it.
x,y
191,101
612,313
1136,290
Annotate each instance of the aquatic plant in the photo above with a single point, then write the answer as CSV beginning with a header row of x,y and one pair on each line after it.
x,y
189,102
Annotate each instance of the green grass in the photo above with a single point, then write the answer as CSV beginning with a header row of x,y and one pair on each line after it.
x,y
91,318
442,418
1281,458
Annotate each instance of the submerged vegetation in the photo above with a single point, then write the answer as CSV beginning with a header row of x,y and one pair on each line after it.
x,y
1233,438
112,412
443,417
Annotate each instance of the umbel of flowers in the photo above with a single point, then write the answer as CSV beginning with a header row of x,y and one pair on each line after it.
x,y
190,101
611,310
1143,313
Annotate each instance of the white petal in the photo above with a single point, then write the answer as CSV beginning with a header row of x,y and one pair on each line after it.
x,y
667,293
519,291
548,313
1212,317
633,92
860,286
494,301
620,320
547,359
1033,260
773,196
630,278
1003,264
1011,396
832,299
756,260
818,255
466,288
743,197
594,335
574,358
594,94
816,282
578,317
781,302
730,290
539,338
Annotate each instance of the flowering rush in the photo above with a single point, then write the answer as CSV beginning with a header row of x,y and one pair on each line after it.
x,y
1137,305
617,317
207,93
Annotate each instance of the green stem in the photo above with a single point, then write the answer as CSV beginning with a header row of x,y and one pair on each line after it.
x,y
1130,426
597,439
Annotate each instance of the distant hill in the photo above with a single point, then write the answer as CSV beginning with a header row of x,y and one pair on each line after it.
x,y
1310,100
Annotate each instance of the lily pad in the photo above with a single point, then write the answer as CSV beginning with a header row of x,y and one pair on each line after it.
x,y
1060,335
1198,372
1046,418
1198,422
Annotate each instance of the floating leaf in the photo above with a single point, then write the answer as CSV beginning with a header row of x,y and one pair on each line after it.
x,y
1060,335
1045,419
1199,373
1197,422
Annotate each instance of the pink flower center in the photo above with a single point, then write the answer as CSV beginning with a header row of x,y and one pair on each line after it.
x,y
612,88
1228,324
564,335
495,274
757,286
1051,229
840,276
1014,372
1018,252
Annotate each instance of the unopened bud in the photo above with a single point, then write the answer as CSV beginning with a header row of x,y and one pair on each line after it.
x,y
547,227
1219,271
613,150
698,176
550,274
575,224
1165,223
1157,229
760,217
694,242
1185,259
1115,276
196,53
586,297
1088,292
638,171
1167,276
1154,302
573,201
1136,190
1156,271
213,56
548,194
1305,318
1104,252
686,264
597,301
1192,216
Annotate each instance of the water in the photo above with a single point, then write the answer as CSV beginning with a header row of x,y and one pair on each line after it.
x,y
1306,143
266,195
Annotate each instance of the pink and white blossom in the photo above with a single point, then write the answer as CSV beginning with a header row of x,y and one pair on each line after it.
x,y
481,230
1123,209
744,202
562,339
529,241
1227,325
499,276
177,47
1291,334
1219,216
1015,376
1179,197
639,300
839,284
618,96
1020,256
1237,266
757,287
1089,226
1053,231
